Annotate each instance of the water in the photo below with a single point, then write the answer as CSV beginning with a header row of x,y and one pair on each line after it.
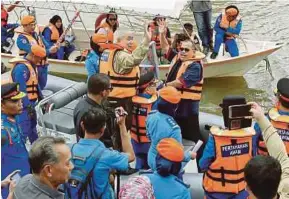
x,y
262,20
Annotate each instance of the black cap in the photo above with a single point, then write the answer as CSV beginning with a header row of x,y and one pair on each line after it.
x,y
146,79
11,91
283,88
232,100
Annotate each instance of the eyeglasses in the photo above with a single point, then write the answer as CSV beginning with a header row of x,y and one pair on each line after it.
x,y
112,19
185,49
129,38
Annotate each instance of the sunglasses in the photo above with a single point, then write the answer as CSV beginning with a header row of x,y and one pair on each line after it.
x,y
112,19
185,49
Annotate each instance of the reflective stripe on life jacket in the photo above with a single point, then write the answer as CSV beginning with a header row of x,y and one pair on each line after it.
x,y
195,91
32,41
124,85
4,16
281,123
141,107
233,149
32,83
226,24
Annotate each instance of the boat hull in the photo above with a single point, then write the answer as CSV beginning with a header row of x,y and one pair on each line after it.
x,y
236,66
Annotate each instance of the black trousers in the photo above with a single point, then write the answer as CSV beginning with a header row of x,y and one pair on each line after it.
x,y
191,131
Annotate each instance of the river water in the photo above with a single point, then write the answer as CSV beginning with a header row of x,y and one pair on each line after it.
x,y
262,20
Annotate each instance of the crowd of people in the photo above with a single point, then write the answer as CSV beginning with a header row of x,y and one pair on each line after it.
x,y
128,115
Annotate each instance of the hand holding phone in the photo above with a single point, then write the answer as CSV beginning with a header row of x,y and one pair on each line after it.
x,y
16,177
240,111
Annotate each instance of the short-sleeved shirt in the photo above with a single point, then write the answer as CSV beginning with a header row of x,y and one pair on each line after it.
x,y
200,6
110,159
30,187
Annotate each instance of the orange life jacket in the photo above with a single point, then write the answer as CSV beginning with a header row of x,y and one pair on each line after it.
x,y
155,35
195,91
141,107
32,41
4,16
233,149
124,85
32,83
226,24
54,33
108,30
281,123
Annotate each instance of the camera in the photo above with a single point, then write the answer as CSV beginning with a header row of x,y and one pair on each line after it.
x,y
238,116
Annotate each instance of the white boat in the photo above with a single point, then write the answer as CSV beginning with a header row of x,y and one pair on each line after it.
x,y
251,52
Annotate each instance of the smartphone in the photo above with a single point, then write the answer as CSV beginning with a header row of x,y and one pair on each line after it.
x,y
239,111
16,177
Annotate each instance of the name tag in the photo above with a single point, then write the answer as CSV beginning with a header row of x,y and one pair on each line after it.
x,y
284,134
235,150
104,56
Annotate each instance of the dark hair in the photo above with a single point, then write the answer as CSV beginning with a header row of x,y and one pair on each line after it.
x,y
112,12
188,26
263,175
97,83
95,47
232,6
53,21
94,120
283,102
42,152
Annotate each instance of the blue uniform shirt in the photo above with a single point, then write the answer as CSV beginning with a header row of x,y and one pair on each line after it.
x,y
220,30
92,63
13,151
161,126
168,187
110,159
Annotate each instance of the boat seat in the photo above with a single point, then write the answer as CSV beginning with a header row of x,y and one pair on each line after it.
x,y
62,118
193,179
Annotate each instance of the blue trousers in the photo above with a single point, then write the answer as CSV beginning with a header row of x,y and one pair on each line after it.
x,y
230,44
28,121
63,50
42,75
242,195
4,31
141,153
203,21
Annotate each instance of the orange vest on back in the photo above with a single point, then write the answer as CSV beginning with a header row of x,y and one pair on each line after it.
x,y
124,85
233,150
32,41
141,108
4,16
194,92
281,123
32,83
226,24
108,29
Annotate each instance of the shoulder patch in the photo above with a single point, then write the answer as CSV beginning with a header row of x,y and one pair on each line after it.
x,y
24,40
104,56
172,123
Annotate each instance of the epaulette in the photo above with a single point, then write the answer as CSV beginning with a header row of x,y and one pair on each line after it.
x,y
152,112
172,123
149,171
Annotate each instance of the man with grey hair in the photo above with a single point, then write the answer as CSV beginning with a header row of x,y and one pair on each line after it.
x,y
49,159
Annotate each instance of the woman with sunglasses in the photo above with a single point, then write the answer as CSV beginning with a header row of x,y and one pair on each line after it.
x,y
109,26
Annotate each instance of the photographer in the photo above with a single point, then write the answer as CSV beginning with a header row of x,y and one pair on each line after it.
x,y
90,155
226,154
98,89
268,177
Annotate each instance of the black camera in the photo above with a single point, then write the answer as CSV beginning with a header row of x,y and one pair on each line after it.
x,y
239,116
